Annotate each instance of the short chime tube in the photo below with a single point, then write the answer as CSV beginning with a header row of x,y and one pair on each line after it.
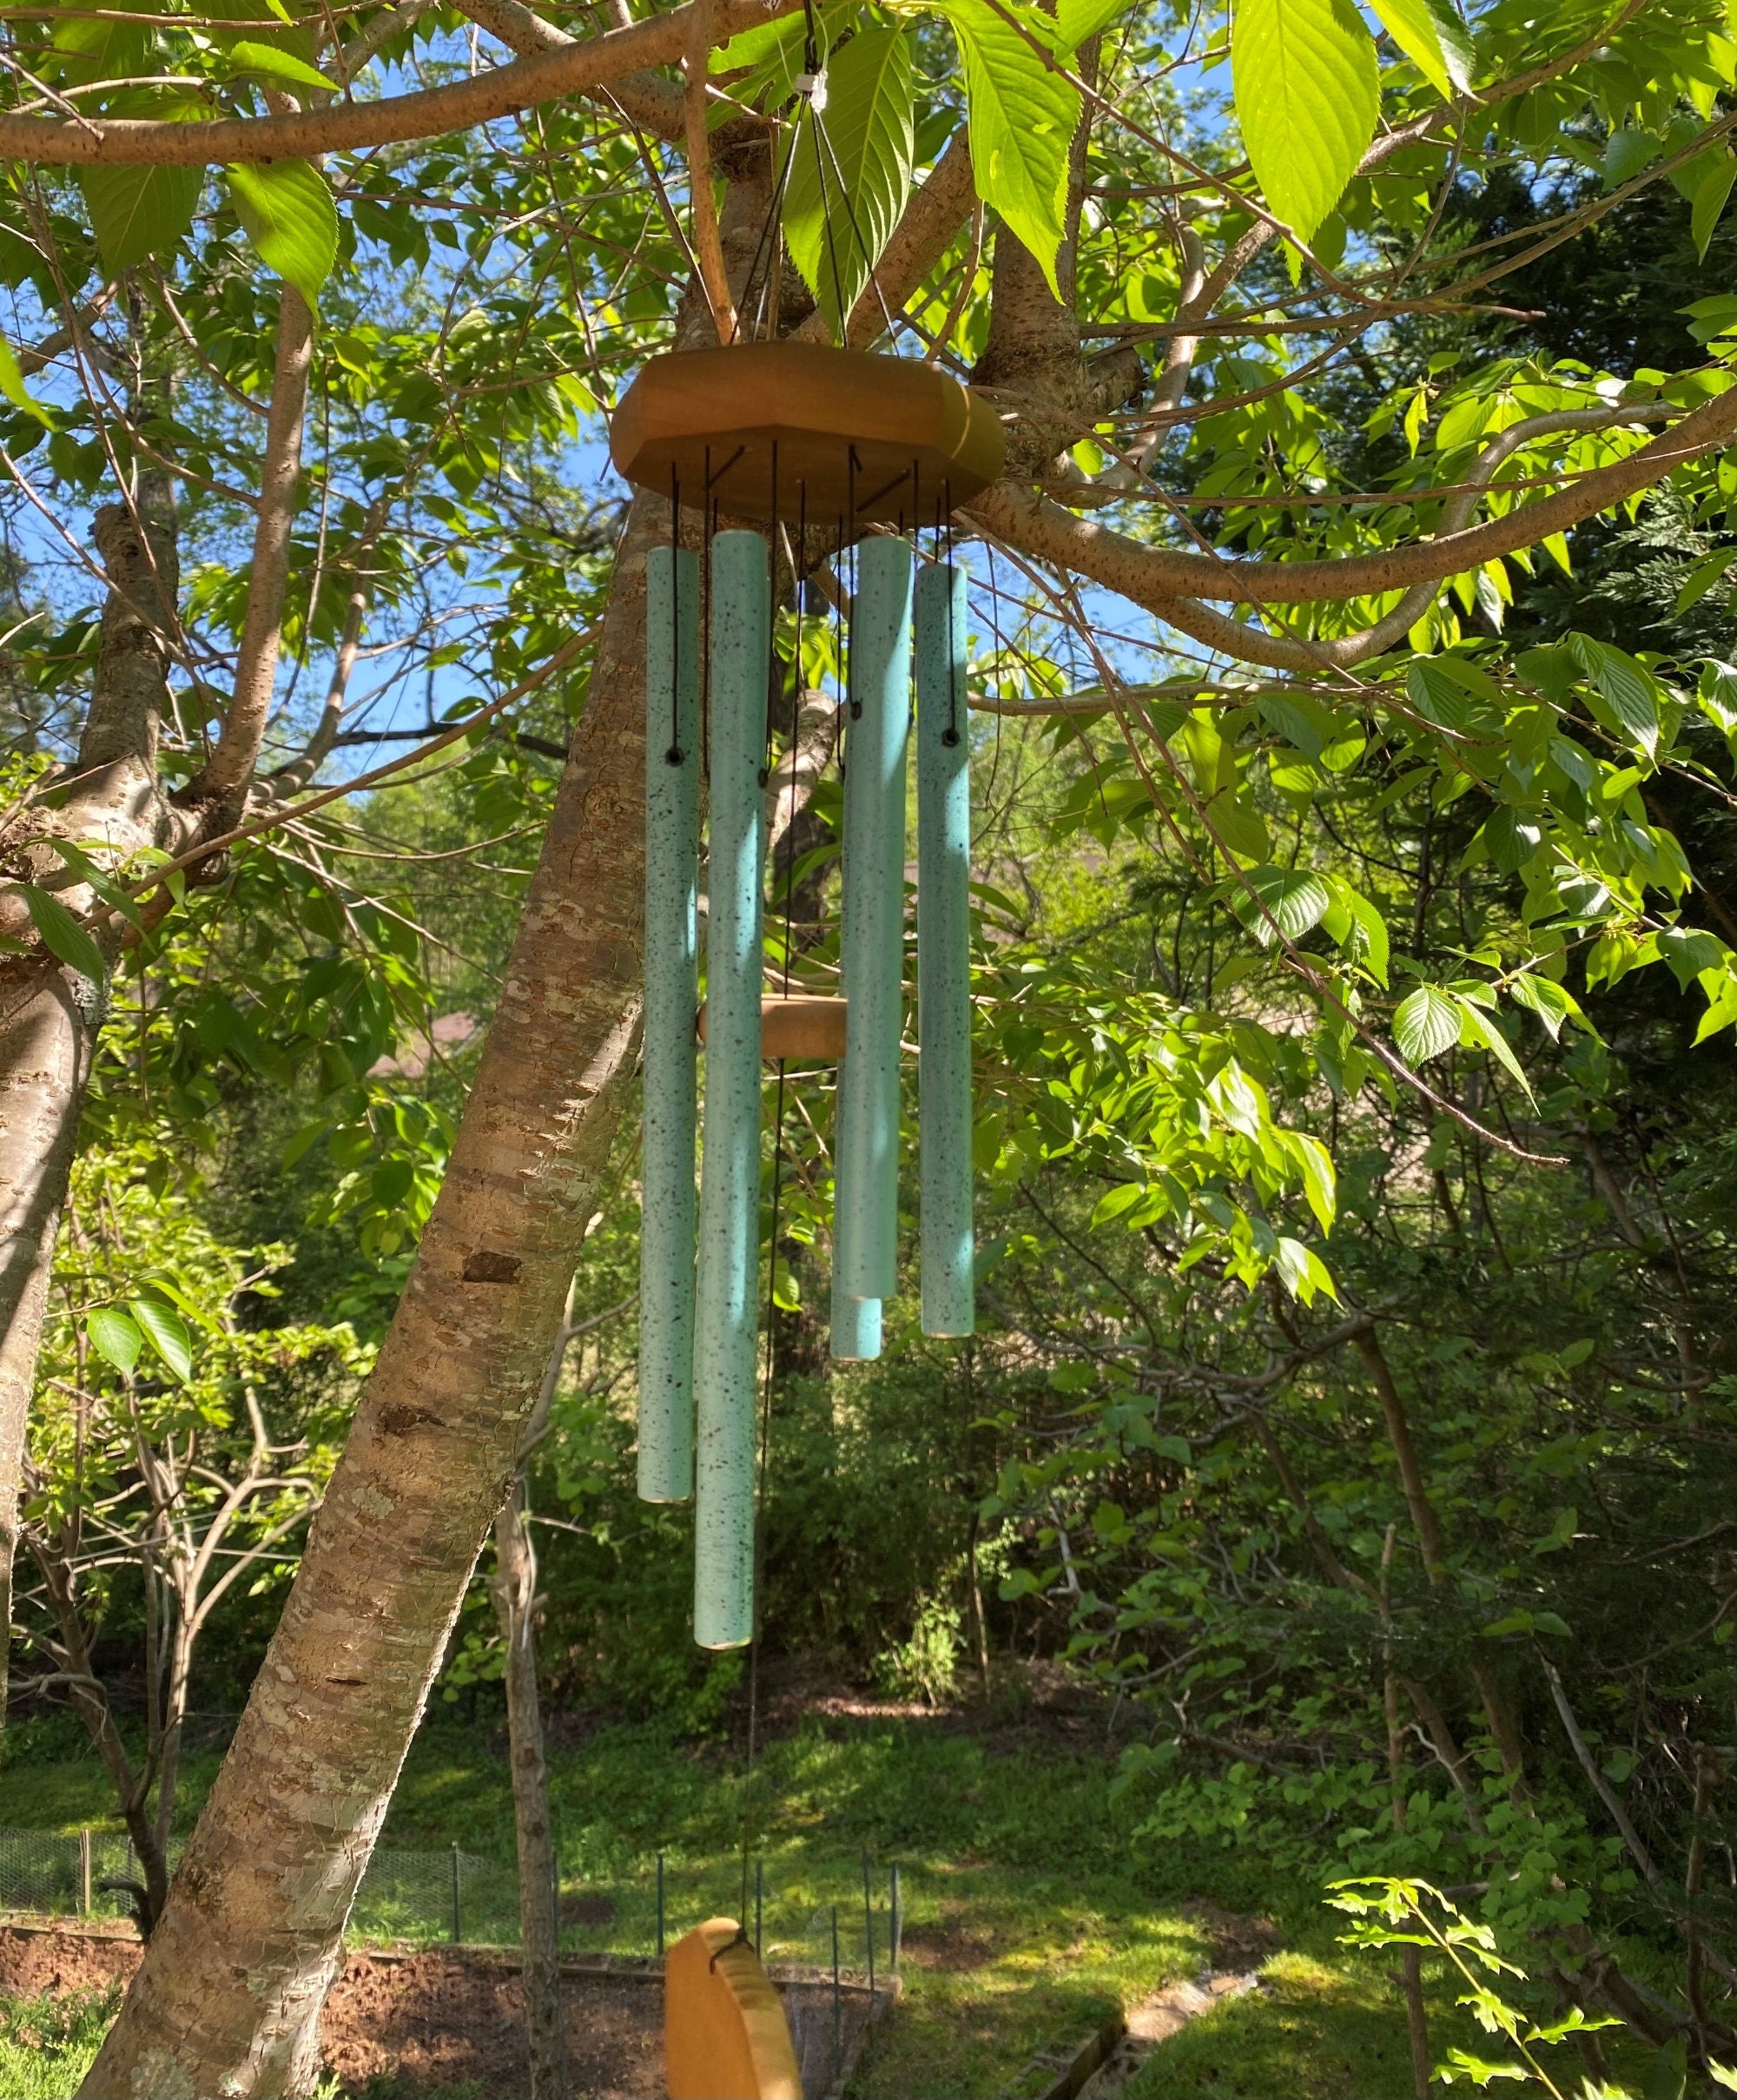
x,y
726,1352
944,952
672,835
865,1230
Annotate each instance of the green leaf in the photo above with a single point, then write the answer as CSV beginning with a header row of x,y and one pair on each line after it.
x,y
1302,1272
1319,1184
1512,836
1705,574
1022,117
263,62
1711,198
1433,38
1479,1032
1307,98
1294,900
1077,21
840,204
62,935
12,385
113,1336
137,213
1545,998
1426,1023
286,210
1690,950
167,1334
1436,696
1626,687
1300,718
1371,924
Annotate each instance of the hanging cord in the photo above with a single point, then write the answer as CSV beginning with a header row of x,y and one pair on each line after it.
x,y
823,137
949,736
811,86
674,755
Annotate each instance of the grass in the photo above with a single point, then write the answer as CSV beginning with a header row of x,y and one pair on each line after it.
x,y
1030,1916
47,2043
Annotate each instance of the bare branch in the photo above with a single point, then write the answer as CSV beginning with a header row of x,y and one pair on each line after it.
x,y
224,777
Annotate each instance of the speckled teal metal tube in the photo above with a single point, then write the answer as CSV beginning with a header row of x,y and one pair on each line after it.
x,y
943,740
865,1225
855,1337
672,846
726,1353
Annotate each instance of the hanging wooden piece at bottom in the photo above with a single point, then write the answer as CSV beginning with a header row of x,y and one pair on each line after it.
x,y
726,1336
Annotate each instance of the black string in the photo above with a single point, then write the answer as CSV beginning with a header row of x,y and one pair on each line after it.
x,y
674,755
708,528
949,736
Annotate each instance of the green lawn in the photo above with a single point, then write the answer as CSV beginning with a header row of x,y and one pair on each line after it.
x,y
1028,1916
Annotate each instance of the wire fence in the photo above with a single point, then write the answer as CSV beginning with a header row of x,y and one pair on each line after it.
x,y
842,1913
829,1931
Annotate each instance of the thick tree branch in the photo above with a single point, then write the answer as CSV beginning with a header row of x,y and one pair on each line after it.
x,y
340,127
653,104
1154,576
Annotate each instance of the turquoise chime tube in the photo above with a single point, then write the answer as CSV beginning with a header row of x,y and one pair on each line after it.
x,y
866,1158
855,1326
672,848
726,1338
944,952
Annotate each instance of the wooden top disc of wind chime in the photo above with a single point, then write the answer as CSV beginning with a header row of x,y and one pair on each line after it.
x,y
805,432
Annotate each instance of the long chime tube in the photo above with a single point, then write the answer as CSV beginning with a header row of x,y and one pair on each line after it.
x,y
855,1337
866,1224
944,952
726,1352
672,846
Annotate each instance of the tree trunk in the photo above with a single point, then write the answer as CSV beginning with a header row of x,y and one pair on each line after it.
x,y
539,1958
44,1061
49,1014
229,1993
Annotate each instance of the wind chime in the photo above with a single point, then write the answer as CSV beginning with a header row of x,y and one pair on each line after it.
x,y
825,444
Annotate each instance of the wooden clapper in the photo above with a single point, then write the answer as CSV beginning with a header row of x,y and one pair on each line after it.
x,y
725,2037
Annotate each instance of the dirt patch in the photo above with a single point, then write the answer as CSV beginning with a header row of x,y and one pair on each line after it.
x,y
454,2018
447,2019
1239,1941
439,2019
37,1965
946,1943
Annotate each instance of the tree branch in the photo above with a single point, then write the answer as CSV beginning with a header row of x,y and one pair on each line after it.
x,y
575,68
223,779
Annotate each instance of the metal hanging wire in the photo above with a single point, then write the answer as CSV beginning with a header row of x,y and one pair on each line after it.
x,y
810,87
